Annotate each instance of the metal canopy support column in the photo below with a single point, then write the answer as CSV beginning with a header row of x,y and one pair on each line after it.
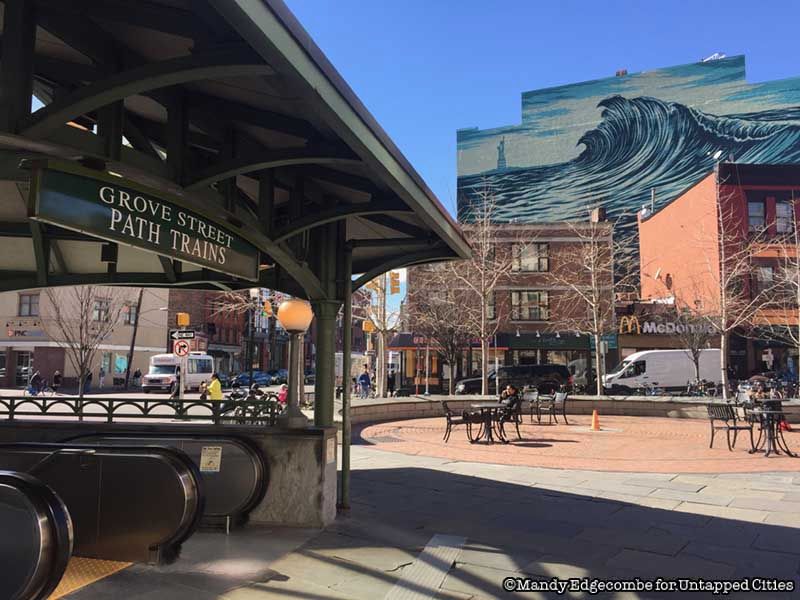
x,y
266,200
325,312
16,70
347,344
110,125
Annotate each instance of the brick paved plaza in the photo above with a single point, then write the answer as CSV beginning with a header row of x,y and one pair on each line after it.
x,y
625,444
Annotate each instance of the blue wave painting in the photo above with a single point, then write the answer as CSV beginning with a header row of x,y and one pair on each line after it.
x,y
654,133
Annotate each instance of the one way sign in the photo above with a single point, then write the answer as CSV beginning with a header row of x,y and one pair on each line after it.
x,y
182,335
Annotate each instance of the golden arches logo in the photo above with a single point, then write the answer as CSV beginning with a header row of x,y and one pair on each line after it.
x,y
629,325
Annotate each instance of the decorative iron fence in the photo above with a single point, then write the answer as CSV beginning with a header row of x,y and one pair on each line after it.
x,y
110,410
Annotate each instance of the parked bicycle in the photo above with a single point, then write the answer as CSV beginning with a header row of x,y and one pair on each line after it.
x,y
42,389
701,387
650,389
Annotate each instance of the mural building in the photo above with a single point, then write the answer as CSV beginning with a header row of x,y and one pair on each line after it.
x,y
623,139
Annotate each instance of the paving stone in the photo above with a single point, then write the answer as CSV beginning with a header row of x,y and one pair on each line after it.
x,y
786,519
482,582
638,517
632,490
722,500
740,492
778,539
648,501
767,505
652,541
792,497
665,484
496,558
658,565
727,512
747,561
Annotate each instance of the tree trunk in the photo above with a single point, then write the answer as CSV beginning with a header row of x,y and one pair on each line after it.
x,y
380,367
485,367
696,361
723,361
598,364
451,381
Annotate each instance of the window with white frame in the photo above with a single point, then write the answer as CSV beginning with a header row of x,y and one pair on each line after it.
x,y
530,257
530,305
756,215
28,305
130,314
783,217
101,309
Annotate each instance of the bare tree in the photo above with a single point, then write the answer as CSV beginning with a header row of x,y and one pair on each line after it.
x,y
694,334
478,277
736,298
80,319
780,316
588,273
435,311
384,323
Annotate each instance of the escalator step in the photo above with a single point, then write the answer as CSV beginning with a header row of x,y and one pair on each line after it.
x,y
84,571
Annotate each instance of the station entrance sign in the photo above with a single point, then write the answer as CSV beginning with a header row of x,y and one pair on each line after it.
x,y
120,210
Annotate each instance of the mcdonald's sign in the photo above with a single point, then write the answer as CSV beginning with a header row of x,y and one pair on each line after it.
x,y
629,325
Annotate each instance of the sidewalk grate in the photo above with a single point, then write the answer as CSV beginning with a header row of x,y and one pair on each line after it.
x,y
422,579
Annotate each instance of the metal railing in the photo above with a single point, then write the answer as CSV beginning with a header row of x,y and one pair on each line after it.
x,y
110,410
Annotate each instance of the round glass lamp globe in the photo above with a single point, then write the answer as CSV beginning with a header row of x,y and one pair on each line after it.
x,y
295,315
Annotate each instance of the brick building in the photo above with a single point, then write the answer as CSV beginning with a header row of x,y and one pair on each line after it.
x,y
531,306
680,250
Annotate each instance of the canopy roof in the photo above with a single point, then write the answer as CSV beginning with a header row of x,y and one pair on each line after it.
x,y
227,105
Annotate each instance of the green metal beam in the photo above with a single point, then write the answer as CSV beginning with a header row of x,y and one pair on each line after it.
x,y
406,260
269,159
220,63
16,70
342,211
399,226
41,252
392,243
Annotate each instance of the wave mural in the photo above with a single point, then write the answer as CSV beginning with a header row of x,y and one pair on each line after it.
x,y
641,145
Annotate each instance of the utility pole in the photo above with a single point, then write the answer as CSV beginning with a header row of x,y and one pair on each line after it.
x,y
133,339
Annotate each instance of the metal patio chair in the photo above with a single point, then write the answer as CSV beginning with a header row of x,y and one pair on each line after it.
x,y
732,418
553,406
531,395
452,419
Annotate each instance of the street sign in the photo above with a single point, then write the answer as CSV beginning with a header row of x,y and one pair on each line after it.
x,y
120,210
180,348
182,335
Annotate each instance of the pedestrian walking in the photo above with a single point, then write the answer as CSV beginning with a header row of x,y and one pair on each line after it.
x,y
365,383
87,383
57,378
137,378
203,391
390,383
214,389
101,376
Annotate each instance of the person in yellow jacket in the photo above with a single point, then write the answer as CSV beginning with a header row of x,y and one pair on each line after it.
x,y
214,389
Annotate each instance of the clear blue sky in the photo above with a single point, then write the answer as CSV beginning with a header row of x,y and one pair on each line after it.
x,y
427,68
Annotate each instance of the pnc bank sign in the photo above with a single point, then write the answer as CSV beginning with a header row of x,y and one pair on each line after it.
x,y
119,210
632,325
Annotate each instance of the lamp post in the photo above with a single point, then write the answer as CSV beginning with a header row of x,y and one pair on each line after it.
x,y
254,293
294,316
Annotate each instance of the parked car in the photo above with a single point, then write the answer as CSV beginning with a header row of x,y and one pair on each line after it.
x,y
281,376
259,377
546,378
668,370
310,376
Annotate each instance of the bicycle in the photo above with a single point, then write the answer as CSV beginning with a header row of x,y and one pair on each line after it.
x,y
44,390
650,389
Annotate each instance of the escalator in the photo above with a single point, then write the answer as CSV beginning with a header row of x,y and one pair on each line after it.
x,y
233,470
35,537
127,503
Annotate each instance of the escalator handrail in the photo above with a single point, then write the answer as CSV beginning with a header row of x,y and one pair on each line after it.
x,y
56,546
193,487
262,468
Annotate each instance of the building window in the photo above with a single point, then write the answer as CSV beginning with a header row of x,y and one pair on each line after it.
x,y
755,216
491,313
131,315
764,278
100,310
783,217
29,305
529,305
531,257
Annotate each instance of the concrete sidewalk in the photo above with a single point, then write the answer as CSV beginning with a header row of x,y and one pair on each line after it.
x,y
500,521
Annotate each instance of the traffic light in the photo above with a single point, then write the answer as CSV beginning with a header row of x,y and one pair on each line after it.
x,y
367,326
394,282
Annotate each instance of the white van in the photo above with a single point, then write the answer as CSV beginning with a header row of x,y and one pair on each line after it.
x,y
163,372
666,369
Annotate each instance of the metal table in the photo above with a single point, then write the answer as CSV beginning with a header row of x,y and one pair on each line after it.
x,y
770,437
488,411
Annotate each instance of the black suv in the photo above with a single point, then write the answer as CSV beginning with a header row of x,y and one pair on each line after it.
x,y
547,378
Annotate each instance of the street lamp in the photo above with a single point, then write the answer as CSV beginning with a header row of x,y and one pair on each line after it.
x,y
255,294
294,316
